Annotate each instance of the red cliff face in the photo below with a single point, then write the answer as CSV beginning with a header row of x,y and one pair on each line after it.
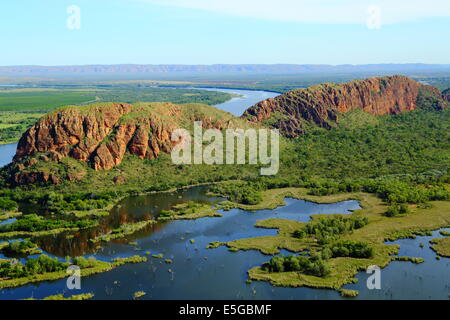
x,y
102,135
99,135
71,132
322,104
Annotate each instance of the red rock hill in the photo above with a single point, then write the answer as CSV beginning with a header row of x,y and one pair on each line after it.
x,y
321,105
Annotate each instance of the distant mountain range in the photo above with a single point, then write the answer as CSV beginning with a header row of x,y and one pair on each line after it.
x,y
219,68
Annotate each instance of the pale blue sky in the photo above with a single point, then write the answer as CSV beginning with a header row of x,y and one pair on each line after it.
x,y
34,32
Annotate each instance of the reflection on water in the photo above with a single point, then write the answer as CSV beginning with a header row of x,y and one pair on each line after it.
x,y
130,210
196,272
200,273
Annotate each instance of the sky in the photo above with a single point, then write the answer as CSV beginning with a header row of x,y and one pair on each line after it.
x,y
80,32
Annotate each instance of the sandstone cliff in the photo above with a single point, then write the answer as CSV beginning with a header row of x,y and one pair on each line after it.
x,y
101,135
321,105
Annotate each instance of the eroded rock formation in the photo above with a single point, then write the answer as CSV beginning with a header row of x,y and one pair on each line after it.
x,y
321,105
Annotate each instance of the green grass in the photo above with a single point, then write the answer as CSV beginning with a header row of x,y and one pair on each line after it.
x,y
123,231
346,293
60,297
189,211
441,246
139,294
41,101
95,267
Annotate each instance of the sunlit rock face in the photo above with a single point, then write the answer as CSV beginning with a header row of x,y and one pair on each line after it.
x,y
322,104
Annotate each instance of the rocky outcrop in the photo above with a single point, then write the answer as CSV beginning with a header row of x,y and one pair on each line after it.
x,y
71,132
99,135
102,135
321,105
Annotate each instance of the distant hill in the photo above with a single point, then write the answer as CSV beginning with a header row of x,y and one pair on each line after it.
x,y
136,69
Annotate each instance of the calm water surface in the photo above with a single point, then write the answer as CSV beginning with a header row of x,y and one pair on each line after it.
x,y
246,99
236,106
200,273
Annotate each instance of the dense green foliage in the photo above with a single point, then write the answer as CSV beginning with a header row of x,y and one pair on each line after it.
x,y
189,207
326,229
410,143
352,249
6,204
242,192
41,265
397,209
19,247
33,266
33,223
59,203
314,265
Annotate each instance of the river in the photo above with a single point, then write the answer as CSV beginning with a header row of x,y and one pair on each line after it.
x,y
244,100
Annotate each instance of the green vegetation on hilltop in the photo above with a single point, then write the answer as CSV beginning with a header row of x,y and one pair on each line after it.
x,y
21,108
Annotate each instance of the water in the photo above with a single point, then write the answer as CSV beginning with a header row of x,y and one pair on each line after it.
x,y
200,273
7,152
196,272
238,105
408,281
